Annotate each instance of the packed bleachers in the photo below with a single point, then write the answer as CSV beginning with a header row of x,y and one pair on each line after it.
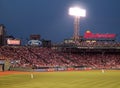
x,y
41,57
97,60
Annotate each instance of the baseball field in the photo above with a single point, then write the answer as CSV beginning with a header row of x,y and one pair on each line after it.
x,y
72,79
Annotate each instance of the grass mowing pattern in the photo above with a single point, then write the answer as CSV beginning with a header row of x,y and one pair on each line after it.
x,y
81,79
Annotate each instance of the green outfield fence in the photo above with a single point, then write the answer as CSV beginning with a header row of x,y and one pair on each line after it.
x,y
57,68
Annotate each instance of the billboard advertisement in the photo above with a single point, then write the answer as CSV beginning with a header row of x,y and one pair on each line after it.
x,y
35,42
90,35
13,41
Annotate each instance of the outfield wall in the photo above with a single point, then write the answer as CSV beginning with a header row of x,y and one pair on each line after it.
x,y
68,69
20,69
60,68
48,69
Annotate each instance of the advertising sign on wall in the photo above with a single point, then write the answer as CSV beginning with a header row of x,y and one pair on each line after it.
x,y
35,42
89,34
13,41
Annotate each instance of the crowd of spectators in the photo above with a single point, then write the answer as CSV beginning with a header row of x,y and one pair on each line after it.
x,y
96,60
42,57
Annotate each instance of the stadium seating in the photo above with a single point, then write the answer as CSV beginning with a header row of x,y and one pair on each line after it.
x,y
26,56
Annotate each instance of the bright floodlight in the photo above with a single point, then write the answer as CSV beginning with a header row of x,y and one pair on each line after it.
x,y
75,11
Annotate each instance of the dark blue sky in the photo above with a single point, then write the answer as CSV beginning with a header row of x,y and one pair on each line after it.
x,y
50,18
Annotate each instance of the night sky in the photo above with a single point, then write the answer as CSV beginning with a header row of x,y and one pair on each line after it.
x,y
50,18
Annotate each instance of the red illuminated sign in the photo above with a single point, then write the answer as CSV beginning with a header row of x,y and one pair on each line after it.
x,y
13,42
89,34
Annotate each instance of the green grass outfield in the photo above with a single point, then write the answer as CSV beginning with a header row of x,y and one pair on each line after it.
x,y
75,79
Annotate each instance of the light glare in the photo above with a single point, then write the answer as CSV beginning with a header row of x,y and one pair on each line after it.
x,y
75,11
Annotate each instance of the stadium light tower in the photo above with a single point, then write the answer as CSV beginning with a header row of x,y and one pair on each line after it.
x,y
77,13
